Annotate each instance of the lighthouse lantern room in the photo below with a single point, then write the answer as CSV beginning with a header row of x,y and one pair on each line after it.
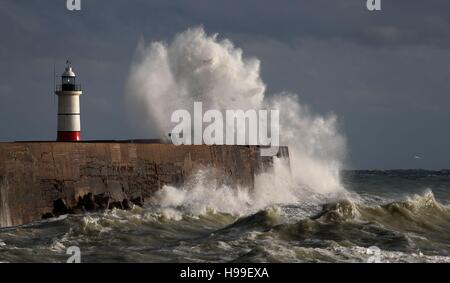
x,y
68,92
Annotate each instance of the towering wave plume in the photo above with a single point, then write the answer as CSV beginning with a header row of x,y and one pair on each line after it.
x,y
198,67
194,67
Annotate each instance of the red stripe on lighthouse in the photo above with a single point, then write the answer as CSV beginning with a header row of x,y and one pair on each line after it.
x,y
69,136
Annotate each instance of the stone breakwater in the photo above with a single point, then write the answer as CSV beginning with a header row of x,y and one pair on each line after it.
x,y
45,179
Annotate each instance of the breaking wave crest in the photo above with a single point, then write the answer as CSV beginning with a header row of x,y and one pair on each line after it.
x,y
404,226
418,210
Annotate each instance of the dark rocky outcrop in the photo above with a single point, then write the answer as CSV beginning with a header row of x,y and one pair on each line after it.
x,y
126,204
137,200
48,215
59,207
91,203
87,202
102,201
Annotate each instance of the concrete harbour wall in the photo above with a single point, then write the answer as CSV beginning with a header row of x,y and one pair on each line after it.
x,y
34,176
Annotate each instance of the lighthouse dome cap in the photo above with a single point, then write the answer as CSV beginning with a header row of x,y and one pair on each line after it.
x,y
68,72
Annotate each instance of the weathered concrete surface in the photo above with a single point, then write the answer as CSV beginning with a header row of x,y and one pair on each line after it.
x,y
34,175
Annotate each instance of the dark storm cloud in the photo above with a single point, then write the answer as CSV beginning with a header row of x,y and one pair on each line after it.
x,y
385,74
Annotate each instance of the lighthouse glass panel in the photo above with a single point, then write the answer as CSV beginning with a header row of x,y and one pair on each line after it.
x,y
68,80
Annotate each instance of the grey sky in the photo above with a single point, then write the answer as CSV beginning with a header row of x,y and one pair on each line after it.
x,y
385,74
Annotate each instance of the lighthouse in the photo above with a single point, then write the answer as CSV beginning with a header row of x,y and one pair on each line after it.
x,y
68,92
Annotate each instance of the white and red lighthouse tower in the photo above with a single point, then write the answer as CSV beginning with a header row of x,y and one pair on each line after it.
x,y
68,92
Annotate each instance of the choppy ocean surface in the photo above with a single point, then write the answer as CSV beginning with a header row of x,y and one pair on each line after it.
x,y
396,216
